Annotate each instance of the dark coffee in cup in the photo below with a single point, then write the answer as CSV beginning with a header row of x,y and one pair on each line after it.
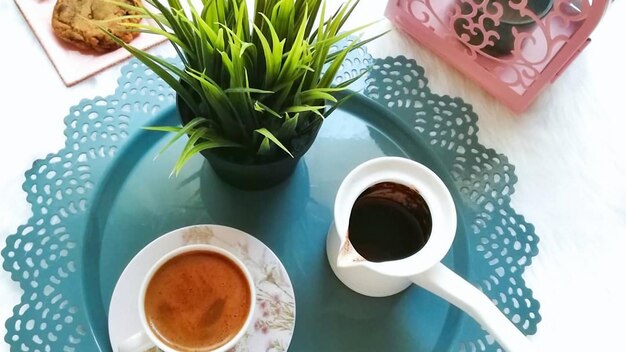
x,y
197,301
389,221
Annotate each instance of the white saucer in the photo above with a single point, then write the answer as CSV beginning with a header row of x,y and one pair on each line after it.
x,y
275,313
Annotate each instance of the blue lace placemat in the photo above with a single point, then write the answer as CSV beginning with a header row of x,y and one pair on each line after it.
x,y
44,255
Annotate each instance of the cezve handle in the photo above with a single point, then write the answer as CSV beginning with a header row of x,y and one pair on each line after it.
x,y
448,285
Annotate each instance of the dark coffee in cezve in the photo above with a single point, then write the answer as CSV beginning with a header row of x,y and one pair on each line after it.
x,y
389,221
197,301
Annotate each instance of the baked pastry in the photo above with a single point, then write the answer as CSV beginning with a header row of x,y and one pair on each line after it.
x,y
76,21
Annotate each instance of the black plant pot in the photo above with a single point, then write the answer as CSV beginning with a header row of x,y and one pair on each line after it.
x,y
253,174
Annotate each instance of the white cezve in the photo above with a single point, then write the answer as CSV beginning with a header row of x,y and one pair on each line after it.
x,y
424,268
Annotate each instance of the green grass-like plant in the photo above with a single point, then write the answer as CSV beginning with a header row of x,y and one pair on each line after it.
x,y
257,85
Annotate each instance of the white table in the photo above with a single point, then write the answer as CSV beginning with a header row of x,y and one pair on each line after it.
x,y
568,150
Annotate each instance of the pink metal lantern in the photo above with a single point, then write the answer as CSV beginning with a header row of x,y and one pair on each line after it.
x,y
512,48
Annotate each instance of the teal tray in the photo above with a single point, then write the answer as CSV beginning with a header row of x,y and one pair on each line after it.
x,y
99,200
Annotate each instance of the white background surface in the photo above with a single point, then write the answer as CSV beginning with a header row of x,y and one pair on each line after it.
x,y
568,150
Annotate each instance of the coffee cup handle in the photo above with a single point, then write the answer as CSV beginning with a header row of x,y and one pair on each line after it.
x,y
138,342
448,285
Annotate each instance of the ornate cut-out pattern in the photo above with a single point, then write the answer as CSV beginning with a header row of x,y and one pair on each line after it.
x,y
504,243
516,55
44,255
511,48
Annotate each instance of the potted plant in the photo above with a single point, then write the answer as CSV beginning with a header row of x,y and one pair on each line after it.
x,y
253,92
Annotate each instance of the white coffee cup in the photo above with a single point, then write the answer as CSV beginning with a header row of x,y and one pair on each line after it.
x,y
146,339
